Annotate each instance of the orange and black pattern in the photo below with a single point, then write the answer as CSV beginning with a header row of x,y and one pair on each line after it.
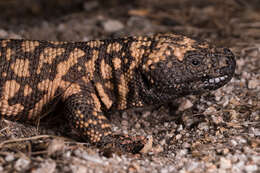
x,y
93,78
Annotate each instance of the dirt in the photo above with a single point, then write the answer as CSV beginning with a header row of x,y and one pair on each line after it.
x,y
213,132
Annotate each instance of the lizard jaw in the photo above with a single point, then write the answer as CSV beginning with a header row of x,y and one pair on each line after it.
x,y
215,82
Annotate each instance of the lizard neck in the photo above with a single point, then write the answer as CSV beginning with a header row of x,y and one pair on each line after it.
x,y
114,65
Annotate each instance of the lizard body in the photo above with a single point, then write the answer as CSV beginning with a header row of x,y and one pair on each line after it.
x,y
96,77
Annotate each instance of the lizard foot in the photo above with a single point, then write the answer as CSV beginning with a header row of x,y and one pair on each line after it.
x,y
122,143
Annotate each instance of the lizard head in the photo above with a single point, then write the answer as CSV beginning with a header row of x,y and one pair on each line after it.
x,y
179,66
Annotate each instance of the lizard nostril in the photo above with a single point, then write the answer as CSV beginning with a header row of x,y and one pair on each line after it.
x,y
228,67
227,61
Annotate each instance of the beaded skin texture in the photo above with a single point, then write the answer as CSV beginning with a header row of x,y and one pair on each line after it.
x,y
93,78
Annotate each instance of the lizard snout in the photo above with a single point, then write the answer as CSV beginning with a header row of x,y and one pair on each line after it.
x,y
227,63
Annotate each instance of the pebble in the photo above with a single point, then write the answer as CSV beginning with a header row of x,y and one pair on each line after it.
x,y
180,128
124,123
88,157
203,126
241,140
146,114
90,5
112,25
139,24
246,75
137,125
78,168
210,110
191,166
252,84
3,33
225,163
251,168
233,142
217,119
55,146
186,104
164,170
186,145
9,157
67,154
21,164
158,149
148,146
48,166
177,137
183,152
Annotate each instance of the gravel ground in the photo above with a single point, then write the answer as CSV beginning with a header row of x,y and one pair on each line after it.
x,y
214,132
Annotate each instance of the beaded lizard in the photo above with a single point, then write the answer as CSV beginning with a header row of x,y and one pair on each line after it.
x,y
93,78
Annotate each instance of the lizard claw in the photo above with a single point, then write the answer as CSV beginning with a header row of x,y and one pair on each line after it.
x,y
122,143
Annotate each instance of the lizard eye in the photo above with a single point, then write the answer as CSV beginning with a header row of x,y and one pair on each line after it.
x,y
195,62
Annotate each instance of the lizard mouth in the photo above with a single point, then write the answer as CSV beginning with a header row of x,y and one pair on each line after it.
x,y
215,82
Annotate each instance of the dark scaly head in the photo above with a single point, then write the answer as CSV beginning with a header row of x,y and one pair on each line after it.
x,y
178,66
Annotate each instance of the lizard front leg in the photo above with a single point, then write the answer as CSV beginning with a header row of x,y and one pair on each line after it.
x,y
83,110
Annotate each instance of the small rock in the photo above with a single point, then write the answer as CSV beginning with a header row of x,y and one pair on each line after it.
x,y
158,149
186,145
233,114
203,126
148,146
241,140
225,101
137,125
256,159
146,114
185,105
138,12
233,142
9,157
240,63
210,110
3,33
162,142
183,152
21,164
124,123
225,163
139,24
246,75
180,128
177,137
89,157
67,154
225,151
112,25
252,84
90,5
164,170
134,167
217,119
14,36
78,168
125,115
48,166
251,168
55,146
192,166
